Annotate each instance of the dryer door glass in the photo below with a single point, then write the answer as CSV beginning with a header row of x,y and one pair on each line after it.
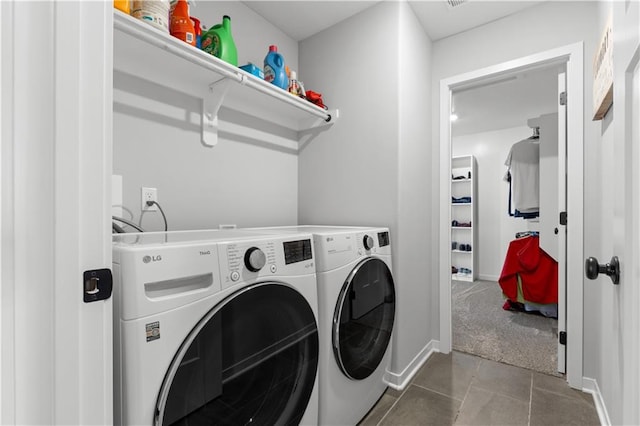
x,y
363,319
251,359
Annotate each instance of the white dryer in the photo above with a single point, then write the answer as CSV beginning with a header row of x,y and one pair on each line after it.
x,y
356,309
215,327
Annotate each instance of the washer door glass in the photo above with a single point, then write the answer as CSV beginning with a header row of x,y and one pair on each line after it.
x,y
363,319
251,359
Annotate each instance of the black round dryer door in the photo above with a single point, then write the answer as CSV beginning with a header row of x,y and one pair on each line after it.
x,y
363,319
251,360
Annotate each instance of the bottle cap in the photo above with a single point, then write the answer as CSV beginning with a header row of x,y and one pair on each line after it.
x,y
273,48
293,75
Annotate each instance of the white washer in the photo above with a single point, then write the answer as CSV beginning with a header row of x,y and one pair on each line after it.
x,y
215,327
356,309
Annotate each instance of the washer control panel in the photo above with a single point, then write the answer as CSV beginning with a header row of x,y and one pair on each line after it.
x,y
253,259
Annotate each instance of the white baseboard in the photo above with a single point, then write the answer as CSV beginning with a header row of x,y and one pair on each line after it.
x,y
399,381
488,277
591,386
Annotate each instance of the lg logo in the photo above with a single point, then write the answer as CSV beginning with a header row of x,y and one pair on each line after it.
x,y
148,259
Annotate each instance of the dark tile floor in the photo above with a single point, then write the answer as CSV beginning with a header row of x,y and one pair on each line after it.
x,y
461,389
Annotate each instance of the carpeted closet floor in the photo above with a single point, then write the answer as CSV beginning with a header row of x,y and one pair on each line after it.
x,y
481,327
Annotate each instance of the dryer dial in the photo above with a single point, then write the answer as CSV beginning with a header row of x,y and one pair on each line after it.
x,y
254,259
368,242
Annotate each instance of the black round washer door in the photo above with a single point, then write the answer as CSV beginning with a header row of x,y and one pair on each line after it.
x,y
363,319
251,360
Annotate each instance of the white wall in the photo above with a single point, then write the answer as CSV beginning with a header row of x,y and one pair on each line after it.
x,y
372,168
156,138
496,229
611,312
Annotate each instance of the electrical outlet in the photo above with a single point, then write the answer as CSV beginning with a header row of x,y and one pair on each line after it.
x,y
149,194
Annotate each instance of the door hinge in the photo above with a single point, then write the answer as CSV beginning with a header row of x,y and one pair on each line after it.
x,y
563,218
563,98
562,337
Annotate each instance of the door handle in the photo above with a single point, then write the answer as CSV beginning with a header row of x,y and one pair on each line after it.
x,y
612,269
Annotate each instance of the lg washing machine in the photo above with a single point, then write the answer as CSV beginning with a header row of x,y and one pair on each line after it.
x,y
215,327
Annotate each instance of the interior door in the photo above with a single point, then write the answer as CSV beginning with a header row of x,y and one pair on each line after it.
x,y
561,233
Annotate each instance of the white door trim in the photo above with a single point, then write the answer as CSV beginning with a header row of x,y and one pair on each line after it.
x,y
572,55
55,167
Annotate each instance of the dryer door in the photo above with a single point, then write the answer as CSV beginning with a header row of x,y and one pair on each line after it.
x,y
363,319
252,359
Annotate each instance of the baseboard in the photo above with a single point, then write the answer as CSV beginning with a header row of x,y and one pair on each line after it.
x,y
591,386
488,277
399,381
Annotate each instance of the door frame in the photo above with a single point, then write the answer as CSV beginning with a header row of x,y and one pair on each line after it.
x,y
55,213
572,56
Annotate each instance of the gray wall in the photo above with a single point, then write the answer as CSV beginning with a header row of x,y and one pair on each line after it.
x,y
373,167
156,139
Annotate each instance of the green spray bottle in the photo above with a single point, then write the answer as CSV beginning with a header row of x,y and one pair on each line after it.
x,y
218,41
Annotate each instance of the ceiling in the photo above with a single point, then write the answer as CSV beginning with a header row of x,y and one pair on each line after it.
x,y
300,19
505,103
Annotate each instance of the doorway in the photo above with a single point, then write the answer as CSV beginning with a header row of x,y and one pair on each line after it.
x,y
572,57
517,114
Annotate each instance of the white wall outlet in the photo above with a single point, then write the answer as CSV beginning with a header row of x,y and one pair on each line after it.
x,y
148,194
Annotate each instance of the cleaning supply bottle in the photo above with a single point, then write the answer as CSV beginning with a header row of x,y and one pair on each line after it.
x,y
181,26
294,84
274,71
153,12
198,30
218,41
122,5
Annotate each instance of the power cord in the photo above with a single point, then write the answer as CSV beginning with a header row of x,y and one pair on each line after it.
x,y
127,222
151,203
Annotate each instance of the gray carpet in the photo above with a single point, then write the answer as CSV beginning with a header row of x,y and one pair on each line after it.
x,y
481,327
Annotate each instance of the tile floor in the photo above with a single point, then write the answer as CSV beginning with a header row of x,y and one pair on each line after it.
x,y
462,389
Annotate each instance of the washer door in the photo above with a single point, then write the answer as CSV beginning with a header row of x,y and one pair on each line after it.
x,y
363,319
252,359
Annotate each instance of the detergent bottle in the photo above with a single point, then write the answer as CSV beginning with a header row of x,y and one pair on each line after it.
x,y
181,25
198,30
123,5
218,41
274,71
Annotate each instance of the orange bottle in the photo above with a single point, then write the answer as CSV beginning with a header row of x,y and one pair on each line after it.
x,y
181,25
123,5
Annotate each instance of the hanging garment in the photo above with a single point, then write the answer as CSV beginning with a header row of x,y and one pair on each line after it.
x,y
534,268
523,175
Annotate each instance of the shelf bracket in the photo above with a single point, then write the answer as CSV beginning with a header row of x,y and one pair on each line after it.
x,y
211,104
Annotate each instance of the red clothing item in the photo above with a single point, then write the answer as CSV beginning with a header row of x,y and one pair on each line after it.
x,y
538,272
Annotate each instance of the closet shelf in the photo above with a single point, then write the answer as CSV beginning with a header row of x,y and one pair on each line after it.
x,y
150,54
460,180
462,227
461,251
460,204
462,277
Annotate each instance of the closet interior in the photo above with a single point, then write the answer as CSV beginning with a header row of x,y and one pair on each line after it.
x,y
505,287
